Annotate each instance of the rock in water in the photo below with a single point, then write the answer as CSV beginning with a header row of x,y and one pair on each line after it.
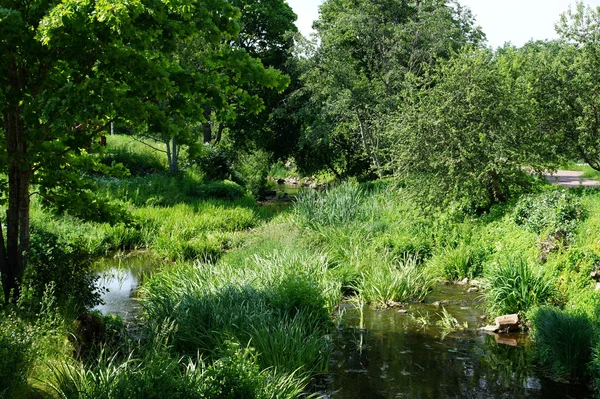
x,y
507,323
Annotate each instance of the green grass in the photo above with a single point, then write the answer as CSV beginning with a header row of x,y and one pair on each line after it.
x,y
563,341
394,281
248,295
515,286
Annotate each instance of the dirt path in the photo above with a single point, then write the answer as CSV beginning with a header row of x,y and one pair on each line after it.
x,y
569,178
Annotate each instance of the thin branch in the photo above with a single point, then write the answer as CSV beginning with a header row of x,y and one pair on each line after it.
x,y
151,146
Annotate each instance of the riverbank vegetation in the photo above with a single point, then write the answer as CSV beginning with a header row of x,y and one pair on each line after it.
x,y
427,154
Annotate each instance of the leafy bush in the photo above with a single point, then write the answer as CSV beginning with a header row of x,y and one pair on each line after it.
x,y
16,355
215,163
514,286
563,341
226,190
549,212
66,267
254,168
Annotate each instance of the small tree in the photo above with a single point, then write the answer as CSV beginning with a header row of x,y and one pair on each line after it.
x,y
471,126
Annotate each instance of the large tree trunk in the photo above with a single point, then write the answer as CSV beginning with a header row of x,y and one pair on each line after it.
x,y
13,256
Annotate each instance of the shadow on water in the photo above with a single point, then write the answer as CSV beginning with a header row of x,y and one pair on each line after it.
x,y
120,276
398,356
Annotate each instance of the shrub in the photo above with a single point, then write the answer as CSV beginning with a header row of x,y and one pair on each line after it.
x,y
215,163
226,190
15,354
563,341
67,267
549,212
514,286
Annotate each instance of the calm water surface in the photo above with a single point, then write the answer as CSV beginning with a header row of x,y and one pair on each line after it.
x,y
397,356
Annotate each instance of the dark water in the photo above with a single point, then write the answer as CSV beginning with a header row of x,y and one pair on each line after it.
x,y
120,276
396,356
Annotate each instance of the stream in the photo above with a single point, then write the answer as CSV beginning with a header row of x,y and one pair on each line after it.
x,y
396,354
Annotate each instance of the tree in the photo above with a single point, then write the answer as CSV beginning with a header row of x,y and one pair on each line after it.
x,y
67,69
470,127
357,73
576,85
267,34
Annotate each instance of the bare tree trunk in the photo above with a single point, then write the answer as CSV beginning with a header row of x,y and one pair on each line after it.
x,y
206,128
368,147
13,257
174,166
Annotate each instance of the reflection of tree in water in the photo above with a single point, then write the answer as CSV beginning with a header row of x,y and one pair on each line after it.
x,y
507,367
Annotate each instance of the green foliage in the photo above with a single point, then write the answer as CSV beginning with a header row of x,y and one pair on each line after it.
x,y
466,126
402,281
341,205
16,355
449,323
214,162
64,265
254,168
355,89
275,304
515,286
138,158
549,212
155,372
460,262
563,341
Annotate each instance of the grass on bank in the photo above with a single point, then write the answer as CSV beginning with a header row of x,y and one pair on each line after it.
x,y
253,295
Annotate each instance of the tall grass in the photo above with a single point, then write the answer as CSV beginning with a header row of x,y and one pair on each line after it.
x,y
399,281
458,263
156,373
515,286
343,204
563,341
278,304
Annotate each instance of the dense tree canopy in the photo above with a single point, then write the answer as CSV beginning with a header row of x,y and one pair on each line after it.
x,y
68,68
357,73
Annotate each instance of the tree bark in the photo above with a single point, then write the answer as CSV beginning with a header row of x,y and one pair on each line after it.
x,y
206,128
14,252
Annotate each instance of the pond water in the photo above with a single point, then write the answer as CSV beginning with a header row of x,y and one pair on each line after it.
x,y
399,356
395,355
120,277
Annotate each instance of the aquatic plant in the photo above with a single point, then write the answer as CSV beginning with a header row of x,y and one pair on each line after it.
x,y
515,286
398,281
449,323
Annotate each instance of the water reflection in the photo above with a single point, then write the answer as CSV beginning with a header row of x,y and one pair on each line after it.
x,y
120,276
396,357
